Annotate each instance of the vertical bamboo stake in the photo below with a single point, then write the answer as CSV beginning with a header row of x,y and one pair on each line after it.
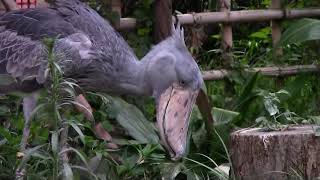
x,y
276,27
116,7
162,19
276,36
225,6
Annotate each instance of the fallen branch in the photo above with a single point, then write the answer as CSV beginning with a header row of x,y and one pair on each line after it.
x,y
266,71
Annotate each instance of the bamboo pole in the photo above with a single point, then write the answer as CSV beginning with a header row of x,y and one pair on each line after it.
x,y
276,28
235,16
226,42
127,23
225,6
285,71
276,36
162,19
116,7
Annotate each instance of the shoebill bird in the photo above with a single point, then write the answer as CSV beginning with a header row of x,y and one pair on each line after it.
x,y
98,58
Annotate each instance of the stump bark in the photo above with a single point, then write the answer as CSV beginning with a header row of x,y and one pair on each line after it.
x,y
276,155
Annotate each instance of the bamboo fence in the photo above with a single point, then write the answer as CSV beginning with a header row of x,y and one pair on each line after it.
x,y
234,16
266,71
274,14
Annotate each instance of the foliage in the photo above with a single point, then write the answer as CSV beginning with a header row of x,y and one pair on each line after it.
x,y
255,101
301,31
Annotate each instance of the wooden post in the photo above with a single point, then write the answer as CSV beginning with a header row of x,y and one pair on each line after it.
x,y
276,36
276,155
116,8
162,19
225,6
276,28
227,43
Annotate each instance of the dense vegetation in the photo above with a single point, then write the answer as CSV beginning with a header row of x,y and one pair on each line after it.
x,y
249,100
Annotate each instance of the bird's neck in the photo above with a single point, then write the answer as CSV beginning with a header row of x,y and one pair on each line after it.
x,y
135,82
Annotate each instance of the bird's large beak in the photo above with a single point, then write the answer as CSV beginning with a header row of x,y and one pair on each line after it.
x,y
174,107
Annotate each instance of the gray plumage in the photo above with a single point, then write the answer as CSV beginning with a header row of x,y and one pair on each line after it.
x,y
90,51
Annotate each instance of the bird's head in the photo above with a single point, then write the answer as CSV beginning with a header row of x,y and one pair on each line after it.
x,y
174,79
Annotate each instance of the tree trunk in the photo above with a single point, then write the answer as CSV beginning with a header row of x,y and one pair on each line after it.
x,y
163,19
276,155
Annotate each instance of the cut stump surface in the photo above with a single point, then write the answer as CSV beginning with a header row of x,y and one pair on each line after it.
x,y
276,155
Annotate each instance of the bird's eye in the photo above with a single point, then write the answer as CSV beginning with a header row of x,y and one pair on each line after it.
x,y
182,83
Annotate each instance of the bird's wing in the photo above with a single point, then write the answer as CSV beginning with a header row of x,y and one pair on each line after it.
x,y
87,20
20,56
101,33
22,53
36,23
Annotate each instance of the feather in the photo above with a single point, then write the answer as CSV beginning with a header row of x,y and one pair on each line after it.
x,y
82,37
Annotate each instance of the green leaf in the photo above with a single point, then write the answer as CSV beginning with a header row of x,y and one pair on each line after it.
x,y
28,153
315,119
4,110
78,130
261,119
199,136
42,155
3,142
170,170
95,162
270,106
132,119
5,133
80,155
6,80
300,31
224,170
67,172
54,141
223,116
247,94
263,33
316,131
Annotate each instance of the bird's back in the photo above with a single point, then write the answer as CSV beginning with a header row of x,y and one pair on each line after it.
x,y
22,53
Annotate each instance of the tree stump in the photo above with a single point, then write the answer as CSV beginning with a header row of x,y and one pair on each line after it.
x,y
291,154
